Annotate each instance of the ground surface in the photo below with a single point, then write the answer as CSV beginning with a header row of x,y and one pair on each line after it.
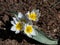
x,y
49,20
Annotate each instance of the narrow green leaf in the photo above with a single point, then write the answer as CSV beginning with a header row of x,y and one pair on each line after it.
x,y
40,37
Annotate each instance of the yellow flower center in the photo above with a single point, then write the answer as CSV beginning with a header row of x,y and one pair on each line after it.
x,y
28,29
19,26
33,16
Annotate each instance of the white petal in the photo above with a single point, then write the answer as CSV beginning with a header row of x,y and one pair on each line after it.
x,y
33,11
25,26
37,11
20,15
17,31
28,13
33,33
15,19
12,22
29,35
13,28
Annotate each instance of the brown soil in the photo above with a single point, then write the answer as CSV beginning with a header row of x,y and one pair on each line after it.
x,y
49,20
14,42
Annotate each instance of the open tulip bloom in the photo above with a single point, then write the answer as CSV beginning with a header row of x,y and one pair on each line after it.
x,y
17,24
22,18
29,30
33,15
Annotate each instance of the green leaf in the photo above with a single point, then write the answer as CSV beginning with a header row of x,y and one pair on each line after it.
x,y
40,37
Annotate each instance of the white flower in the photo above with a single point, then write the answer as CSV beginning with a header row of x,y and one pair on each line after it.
x,y
22,17
33,15
29,30
17,25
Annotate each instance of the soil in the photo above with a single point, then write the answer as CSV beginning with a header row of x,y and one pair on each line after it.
x,y
49,20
